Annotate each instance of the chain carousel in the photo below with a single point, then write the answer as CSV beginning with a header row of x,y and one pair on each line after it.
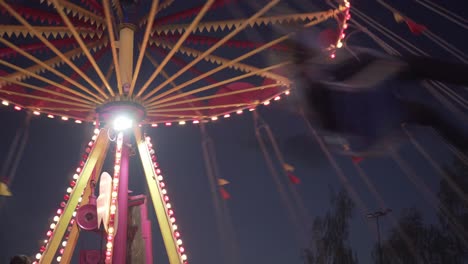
x,y
129,65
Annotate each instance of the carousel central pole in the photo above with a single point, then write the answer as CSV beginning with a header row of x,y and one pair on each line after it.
x,y
120,243
126,70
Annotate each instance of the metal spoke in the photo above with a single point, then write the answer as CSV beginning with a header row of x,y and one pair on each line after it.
x,y
78,38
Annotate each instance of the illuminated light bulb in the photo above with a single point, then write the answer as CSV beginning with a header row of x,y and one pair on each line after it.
x,y
17,108
251,109
59,211
114,194
5,103
69,190
113,208
74,214
64,243
36,113
56,218
214,118
122,123
170,212
347,4
182,123
78,170
117,167
168,124
154,125
115,180
109,245
332,55
45,241
196,122
52,226
343,35
277,98
108,254
287,92
179,242
163,191
80,199
239,112
61,251
174,227
160,178
168,205
110,237
75,176
158,171
59,258
94,138
181,249
227,115
148,139
177,234
162,184
110,230
38,256
339,44
78,121
64,118
345,26
96,131
63,204
266,103
49,233
173,220
348,16
184,257
166,198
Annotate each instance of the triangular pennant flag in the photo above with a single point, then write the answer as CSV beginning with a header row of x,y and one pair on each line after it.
x,y
398,18
288,167
356,159
224,194
293,178
415,28
4,190
222,182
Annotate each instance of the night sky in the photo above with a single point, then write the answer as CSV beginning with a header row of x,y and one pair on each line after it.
x,y
263,232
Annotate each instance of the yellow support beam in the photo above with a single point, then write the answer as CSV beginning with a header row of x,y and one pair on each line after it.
x,y
158,203
75,232
96,154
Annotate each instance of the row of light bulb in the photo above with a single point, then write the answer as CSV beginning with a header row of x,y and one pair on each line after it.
x,y
169,210
343,27
63,204
114,194
227,115
38,113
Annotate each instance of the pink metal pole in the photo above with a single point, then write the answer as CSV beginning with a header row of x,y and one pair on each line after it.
x,y
146,232
120,243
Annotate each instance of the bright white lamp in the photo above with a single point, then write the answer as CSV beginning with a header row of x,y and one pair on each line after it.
x,y
122,123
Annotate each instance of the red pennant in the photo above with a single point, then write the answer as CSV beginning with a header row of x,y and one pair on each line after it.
x,y
356,159
415,28
293,178
224,194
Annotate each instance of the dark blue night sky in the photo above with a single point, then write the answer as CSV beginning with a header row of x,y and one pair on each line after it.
x,y
263,233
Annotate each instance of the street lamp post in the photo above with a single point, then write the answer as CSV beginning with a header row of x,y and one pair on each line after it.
x,y
376,215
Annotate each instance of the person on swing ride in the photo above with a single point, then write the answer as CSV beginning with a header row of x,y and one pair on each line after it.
x,y
354,98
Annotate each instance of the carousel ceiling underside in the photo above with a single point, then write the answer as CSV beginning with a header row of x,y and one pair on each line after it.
x,y
194,61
